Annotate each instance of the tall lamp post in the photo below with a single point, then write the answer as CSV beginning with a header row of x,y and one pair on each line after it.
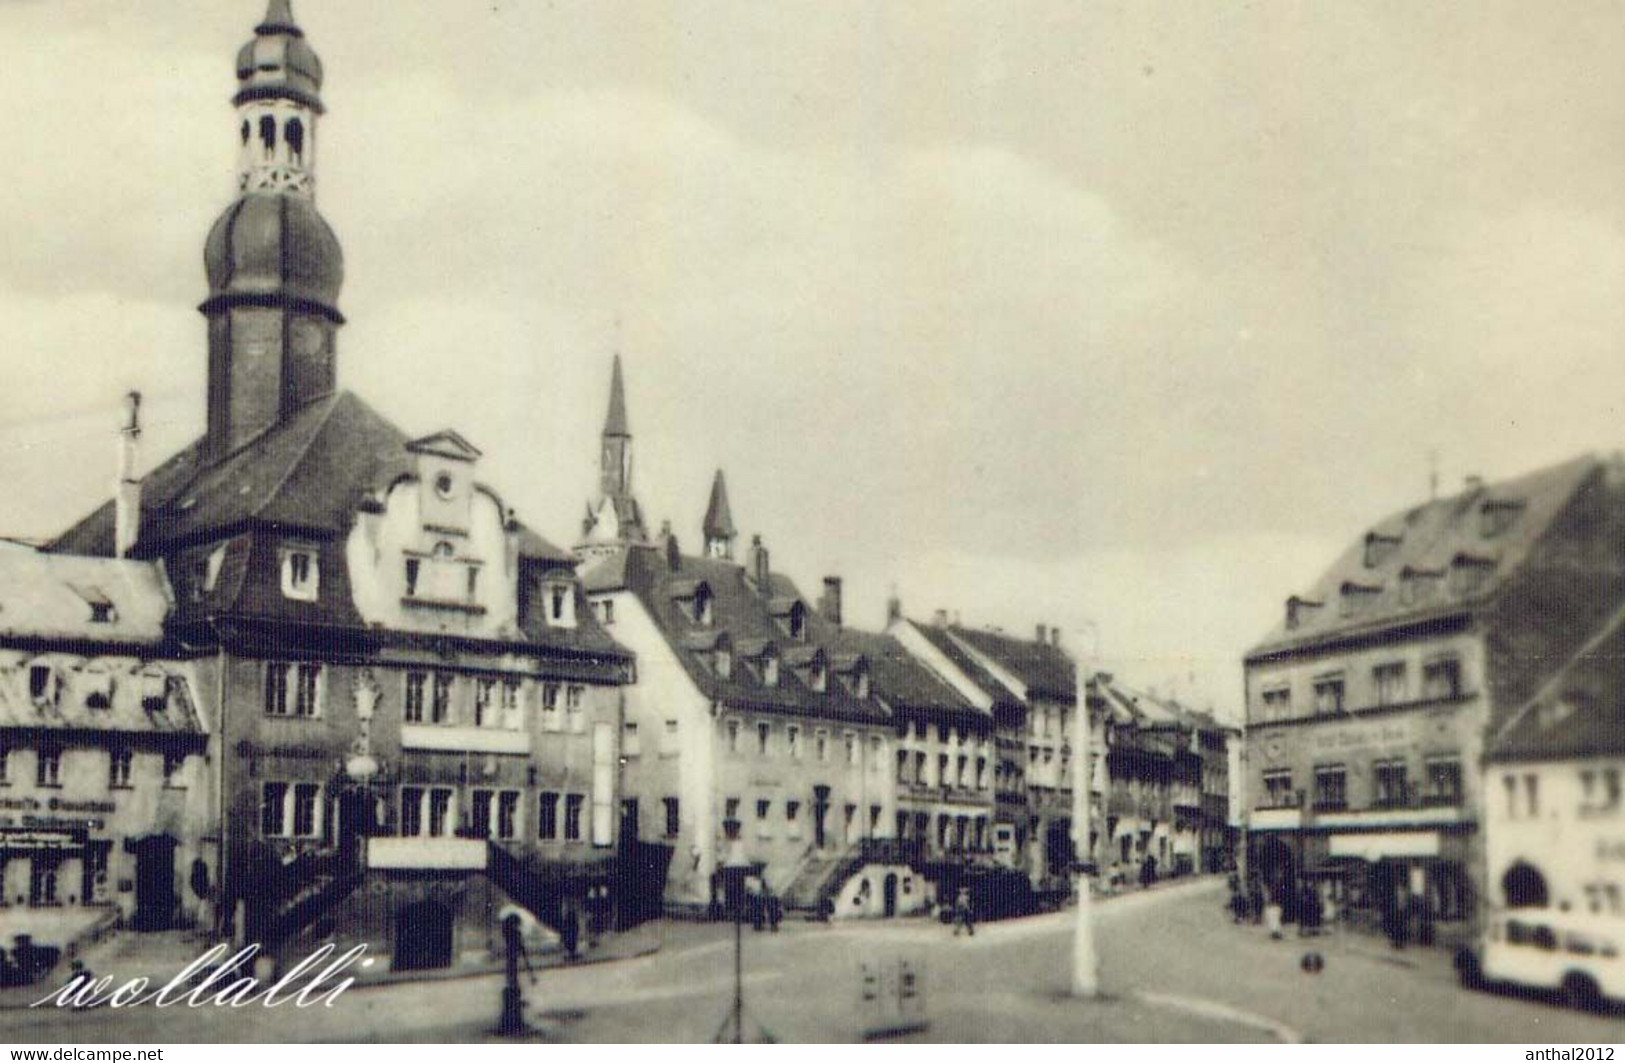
x,y
1085,961
734,868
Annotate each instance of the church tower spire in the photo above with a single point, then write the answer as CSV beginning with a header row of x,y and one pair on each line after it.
x,y
718,527
615,520
273,264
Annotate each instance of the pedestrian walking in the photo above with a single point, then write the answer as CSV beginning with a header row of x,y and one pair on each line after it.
x,y
964,913
1238,907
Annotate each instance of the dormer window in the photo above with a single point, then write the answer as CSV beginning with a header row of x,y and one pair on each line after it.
x,y
1379,547
99,605
97,683
154,690
798,621
770,671
1299,611
1356,597
561,604
301,575
724,663
444,549
1496,515
702,605
818,679
862,689
1469,574
444,485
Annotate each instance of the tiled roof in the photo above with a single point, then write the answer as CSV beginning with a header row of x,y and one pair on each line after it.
x,y
309,472
740,609
1003,697
1044,668
903,682
1406,565
1580,712
51,596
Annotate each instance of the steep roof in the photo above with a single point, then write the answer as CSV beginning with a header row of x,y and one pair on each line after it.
x,y
1046,669
1579,712
51,596
615,423
739,611
1411,564
903,682
1002,696
310,472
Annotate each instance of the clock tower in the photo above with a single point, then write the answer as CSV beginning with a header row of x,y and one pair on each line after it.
x,y
273,264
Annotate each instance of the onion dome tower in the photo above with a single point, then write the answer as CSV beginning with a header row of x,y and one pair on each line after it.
x,y
273,264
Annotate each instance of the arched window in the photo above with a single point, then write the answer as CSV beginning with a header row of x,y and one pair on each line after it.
x,y
1524,886
295,133
268,135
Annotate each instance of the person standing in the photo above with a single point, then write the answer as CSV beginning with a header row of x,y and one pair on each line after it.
x,y
964,914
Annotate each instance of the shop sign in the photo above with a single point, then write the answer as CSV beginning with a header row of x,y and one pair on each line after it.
x,y
37,840
1374,734
54,804
78,823
255,751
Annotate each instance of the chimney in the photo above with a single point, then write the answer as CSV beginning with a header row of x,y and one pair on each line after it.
x,y
1474,482
830,604
127,495
1055,637
894,608
668,542
1043,634
757,563
940,618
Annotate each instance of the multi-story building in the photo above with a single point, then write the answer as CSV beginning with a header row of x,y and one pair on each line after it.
x,y
1369,703
411,691
749,735
105,798
1554,791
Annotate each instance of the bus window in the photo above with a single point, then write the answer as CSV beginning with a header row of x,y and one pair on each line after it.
x,y
1545,938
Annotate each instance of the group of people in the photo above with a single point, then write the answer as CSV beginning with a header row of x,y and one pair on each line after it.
x,y
1257,904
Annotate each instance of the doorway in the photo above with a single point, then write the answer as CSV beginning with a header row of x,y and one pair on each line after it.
x,y
888,896
423,937
820,809
155,900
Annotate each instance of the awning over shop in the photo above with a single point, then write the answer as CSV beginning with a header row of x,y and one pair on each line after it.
x,y
1375,847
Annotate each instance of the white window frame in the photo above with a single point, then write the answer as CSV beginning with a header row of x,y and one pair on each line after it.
x,y
306,586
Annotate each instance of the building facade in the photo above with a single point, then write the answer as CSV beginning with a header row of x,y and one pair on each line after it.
x,y
1368,707
417,714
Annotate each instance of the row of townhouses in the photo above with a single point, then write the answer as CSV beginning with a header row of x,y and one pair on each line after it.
x,y
1433,729
312,675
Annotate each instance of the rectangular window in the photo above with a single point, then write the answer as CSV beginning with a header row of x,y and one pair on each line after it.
x,y
574,705
1531,787
902,765
512,717
550,706
1441,679
1331,788
118,774
508,815
174,779
411,811
413,567
300,575
1278,789
1391,789
1329,695
792,811
485,690
669,739
731,809
440,817
572,816
308,692
673,820
793,740
1277,703
874,821
1390,682
733,736
306,810
851,749
440,707
942,767
764,824
415,684
1444,781
764,739
49,769
547,816
273,810
821,744
276,689
630,746
479,813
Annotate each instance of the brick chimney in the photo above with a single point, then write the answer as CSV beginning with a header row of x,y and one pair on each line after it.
x,y
668,542
940,618
1043,634
127,496
830,604
757,566
1055,636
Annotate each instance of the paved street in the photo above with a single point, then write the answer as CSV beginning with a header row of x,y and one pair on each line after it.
x,y
1174,969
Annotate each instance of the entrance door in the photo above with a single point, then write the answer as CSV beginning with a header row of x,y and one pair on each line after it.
x,y
42,883
155,900
423,937
889,895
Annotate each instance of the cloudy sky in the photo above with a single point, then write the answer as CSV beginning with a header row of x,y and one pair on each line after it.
x,y
1123,315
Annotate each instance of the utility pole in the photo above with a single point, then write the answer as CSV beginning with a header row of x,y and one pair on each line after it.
x,y
1085,962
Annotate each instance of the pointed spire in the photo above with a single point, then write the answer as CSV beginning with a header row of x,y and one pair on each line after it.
x,y
718,529
615,422
278,19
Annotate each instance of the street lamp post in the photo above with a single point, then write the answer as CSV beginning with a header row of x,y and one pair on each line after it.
x,y
734,867
1085,961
